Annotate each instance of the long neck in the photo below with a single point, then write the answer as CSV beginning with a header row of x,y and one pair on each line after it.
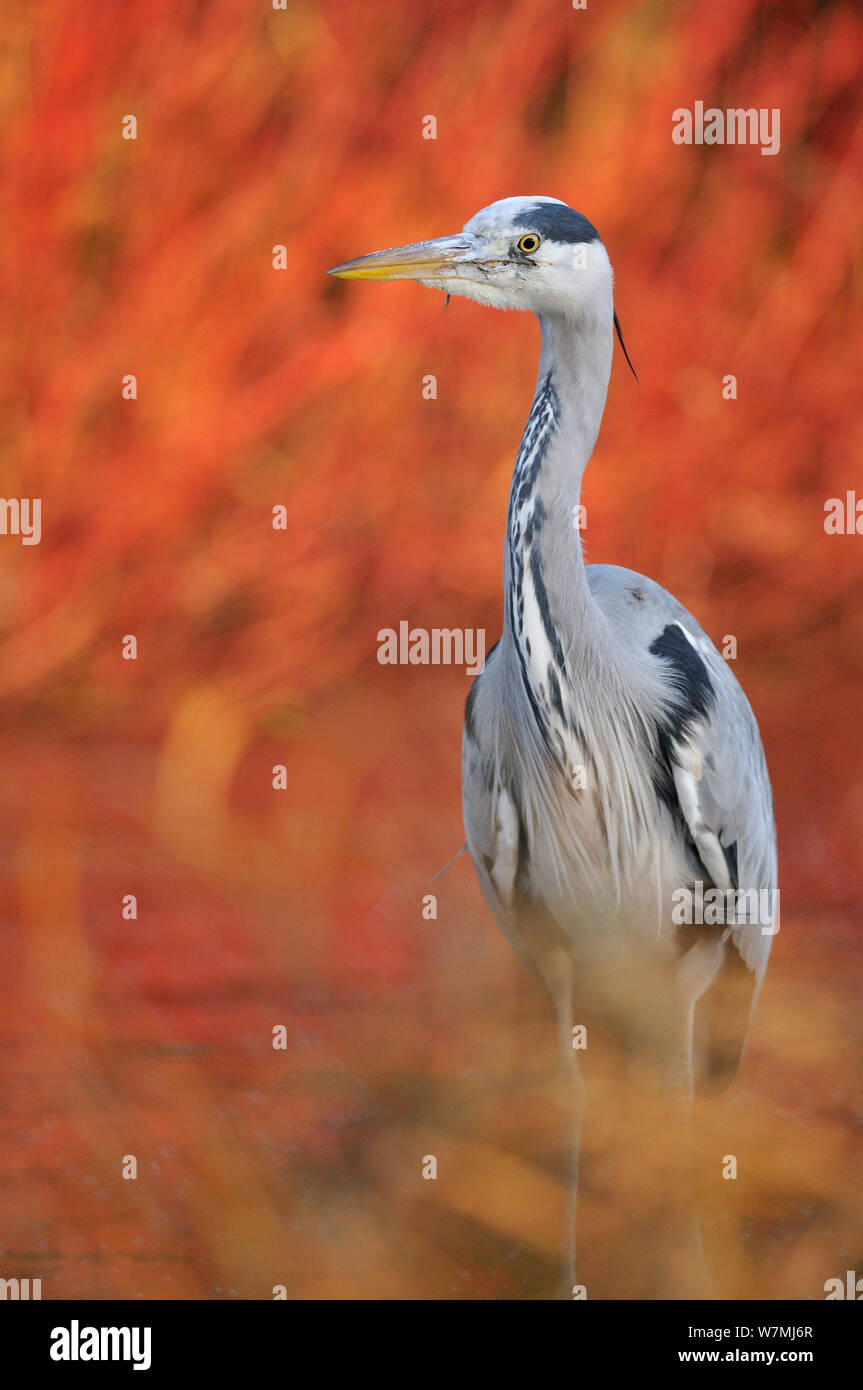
x,y
549,612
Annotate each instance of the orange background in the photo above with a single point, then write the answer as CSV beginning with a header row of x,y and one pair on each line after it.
x,y
257,647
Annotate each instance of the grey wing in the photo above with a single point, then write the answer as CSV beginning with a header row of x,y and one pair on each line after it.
x,y
491,822
723,791
733,801
493,817
721,788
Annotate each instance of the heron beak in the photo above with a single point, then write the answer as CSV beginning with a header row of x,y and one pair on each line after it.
x,y
423,260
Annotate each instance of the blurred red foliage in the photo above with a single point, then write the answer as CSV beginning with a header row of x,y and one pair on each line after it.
x,y
257,387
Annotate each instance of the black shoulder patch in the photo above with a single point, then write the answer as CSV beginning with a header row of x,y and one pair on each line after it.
x,y
693,687
693,698
557,222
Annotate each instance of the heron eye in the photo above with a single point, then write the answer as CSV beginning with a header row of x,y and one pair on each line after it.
x,y
528,243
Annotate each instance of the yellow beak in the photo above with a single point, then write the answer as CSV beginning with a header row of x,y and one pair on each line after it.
x,y
423,260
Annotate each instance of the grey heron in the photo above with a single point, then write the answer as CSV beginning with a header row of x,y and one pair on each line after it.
x,y
611,763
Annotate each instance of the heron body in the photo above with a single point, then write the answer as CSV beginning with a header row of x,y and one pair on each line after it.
x,y
610,758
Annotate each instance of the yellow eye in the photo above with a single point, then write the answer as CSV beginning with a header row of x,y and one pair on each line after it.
x,y
528,243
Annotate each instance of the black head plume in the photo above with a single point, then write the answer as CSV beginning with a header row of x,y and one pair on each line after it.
x,y
623,344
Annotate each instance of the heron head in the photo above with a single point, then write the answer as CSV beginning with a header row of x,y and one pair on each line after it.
x,y
535,253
